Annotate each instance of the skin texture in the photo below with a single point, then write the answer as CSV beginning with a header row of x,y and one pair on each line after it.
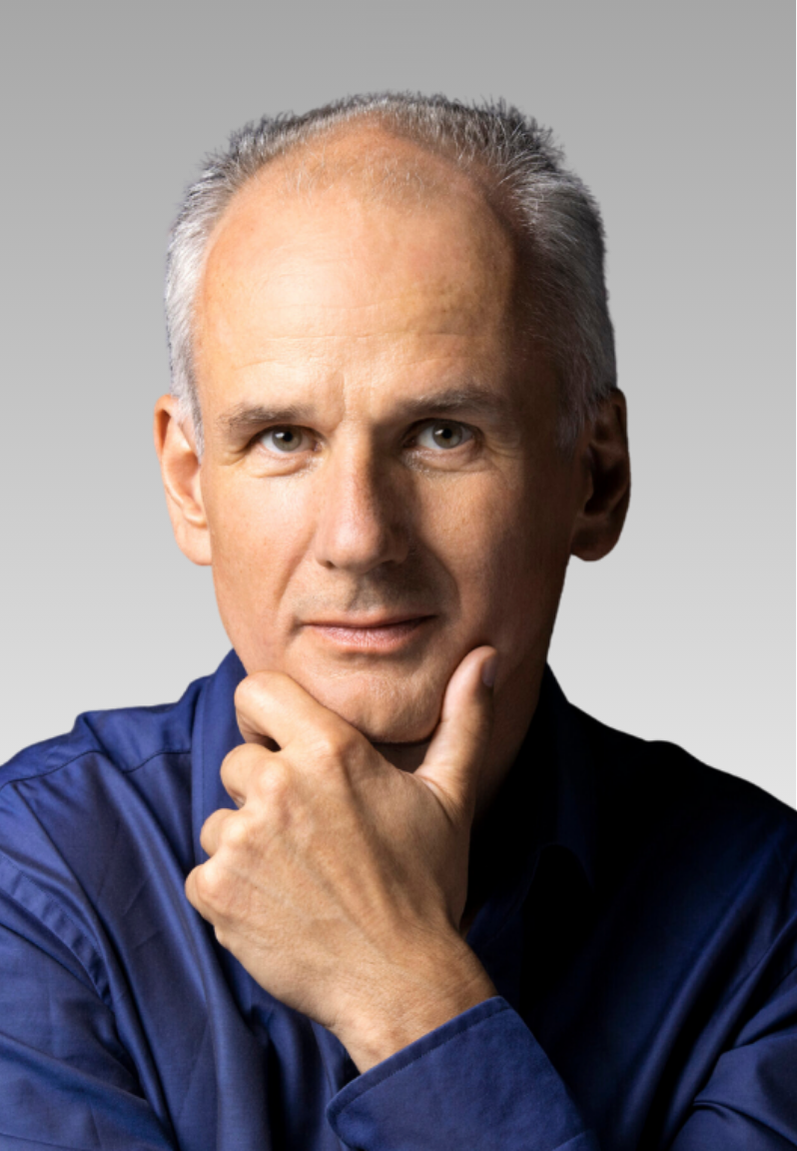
x,y
418,529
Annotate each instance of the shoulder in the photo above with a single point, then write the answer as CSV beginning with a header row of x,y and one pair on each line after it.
x,y
88,820
120,779
662,813
122,738
655,775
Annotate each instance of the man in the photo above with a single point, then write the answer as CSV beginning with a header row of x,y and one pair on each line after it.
x,y
429,904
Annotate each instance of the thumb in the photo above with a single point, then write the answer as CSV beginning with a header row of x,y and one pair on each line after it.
x,y
456,752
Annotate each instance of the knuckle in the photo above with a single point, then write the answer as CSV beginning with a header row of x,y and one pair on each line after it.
x,y
209,886
235,832
257,688
244,693
240,761
253,695
334,745
251,687
272,784
229,765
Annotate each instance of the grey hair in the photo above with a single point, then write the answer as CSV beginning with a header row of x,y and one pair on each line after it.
x,y
553,214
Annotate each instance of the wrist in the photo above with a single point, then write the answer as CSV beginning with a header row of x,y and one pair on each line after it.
x,y
401,1005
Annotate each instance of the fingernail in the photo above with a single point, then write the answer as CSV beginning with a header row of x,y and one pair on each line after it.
x,y
489,668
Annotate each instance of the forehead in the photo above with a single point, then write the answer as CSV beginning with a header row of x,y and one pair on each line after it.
x,y
367,248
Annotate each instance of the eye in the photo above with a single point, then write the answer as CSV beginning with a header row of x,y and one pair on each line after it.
x,y
285,440
443,434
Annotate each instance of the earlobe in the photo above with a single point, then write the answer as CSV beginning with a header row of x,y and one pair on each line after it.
x,y
180,469
606,460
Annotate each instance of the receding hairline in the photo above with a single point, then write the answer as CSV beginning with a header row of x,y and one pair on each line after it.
x,y
394,167
385,156
333,158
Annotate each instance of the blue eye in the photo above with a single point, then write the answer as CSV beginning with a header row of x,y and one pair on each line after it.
x,y
443,434
284,440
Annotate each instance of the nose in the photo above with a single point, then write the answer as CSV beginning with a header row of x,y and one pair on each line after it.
x,y
362,520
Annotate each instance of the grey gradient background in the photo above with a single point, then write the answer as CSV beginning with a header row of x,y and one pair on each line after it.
x,y
678,116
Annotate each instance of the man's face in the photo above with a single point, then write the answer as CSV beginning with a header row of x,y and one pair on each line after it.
x,y
380,482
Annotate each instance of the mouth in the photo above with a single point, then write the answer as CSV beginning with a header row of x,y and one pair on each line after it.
x,y
386,634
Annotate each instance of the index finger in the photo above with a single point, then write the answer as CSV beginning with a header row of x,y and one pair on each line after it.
x,y
272,708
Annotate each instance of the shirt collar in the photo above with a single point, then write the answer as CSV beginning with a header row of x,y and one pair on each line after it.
x,y
215,735
547,797
575,777
545,802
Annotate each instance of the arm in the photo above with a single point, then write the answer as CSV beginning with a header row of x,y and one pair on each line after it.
x,y
750,1098
482,1081
66,1080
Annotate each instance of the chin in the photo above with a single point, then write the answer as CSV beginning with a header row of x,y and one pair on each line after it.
x,y
382,712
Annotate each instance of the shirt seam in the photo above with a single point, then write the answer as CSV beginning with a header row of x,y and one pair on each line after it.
x,y
99,749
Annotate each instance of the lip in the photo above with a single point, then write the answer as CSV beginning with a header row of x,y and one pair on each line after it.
x,y
375,633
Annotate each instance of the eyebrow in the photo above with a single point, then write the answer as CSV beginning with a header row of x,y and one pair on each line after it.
x,y
245,418
474,399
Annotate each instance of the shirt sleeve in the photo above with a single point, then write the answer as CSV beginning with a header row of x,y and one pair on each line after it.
x,y
66,1080
749,1102
482,1081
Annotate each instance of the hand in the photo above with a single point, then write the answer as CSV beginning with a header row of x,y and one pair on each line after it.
x,y
340,882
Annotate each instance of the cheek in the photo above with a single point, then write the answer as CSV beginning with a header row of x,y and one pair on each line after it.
x,y
256,544
506,544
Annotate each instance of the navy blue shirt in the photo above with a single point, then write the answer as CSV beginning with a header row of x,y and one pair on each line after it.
x,y
638,918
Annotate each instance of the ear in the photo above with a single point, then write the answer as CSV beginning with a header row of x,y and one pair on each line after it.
x,y
603,447
180,468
